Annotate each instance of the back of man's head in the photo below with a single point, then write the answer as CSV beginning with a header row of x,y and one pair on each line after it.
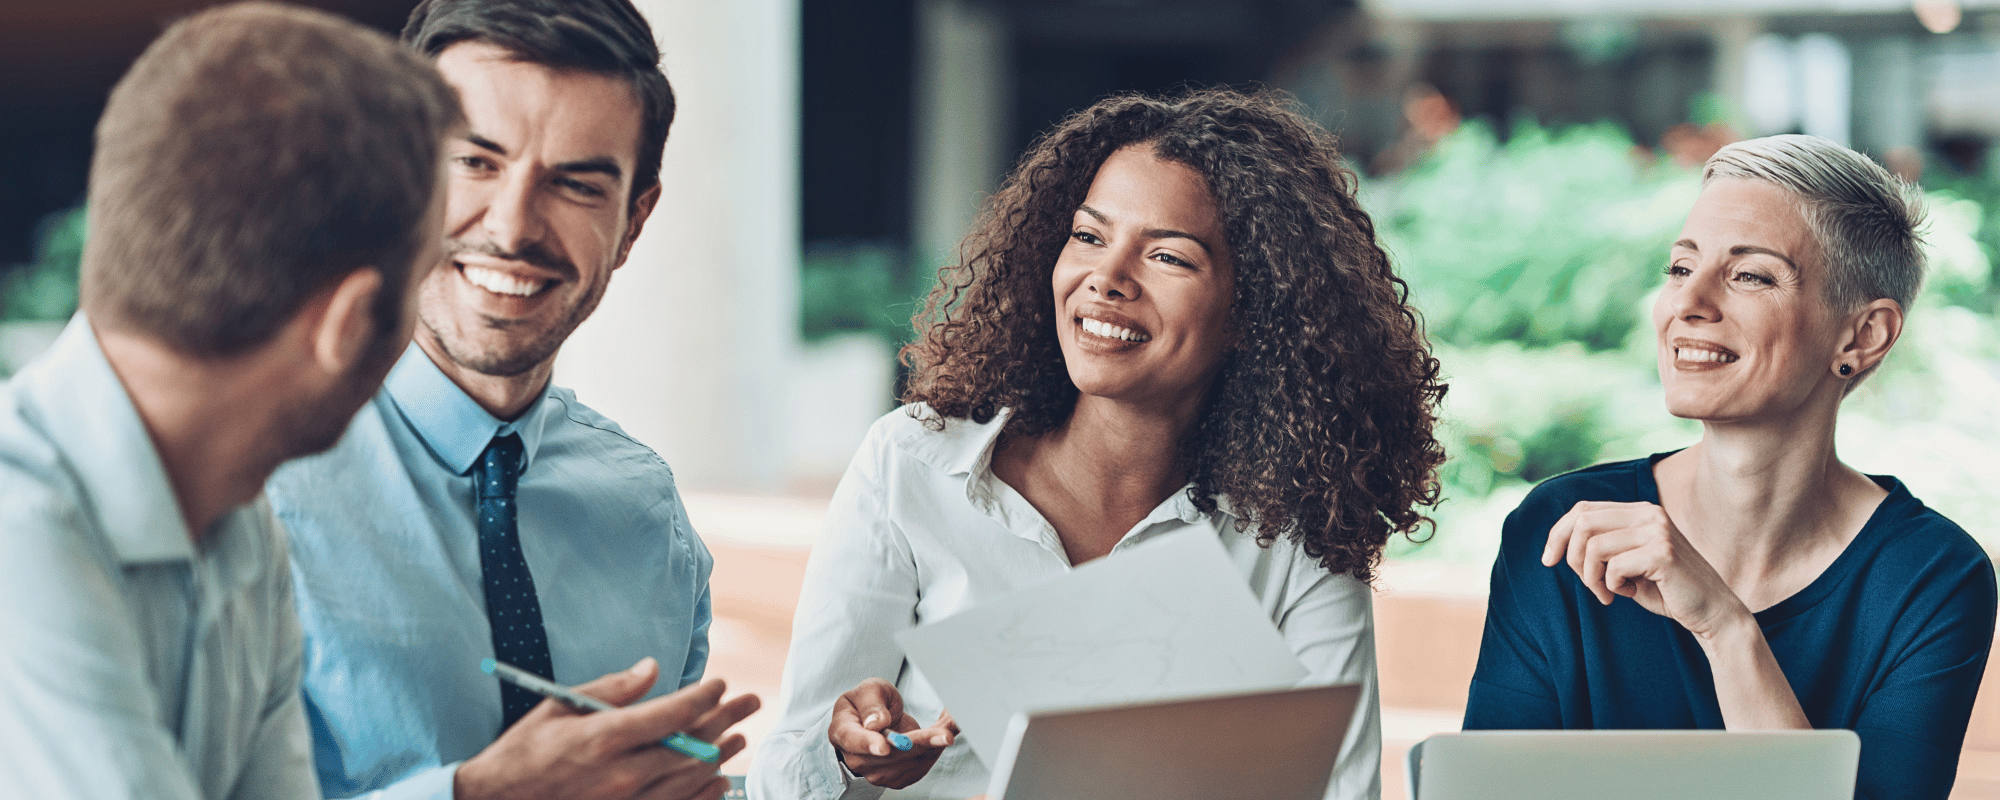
x,y
607,37
251,158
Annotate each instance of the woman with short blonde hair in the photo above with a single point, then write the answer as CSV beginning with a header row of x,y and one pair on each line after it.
x,y
1753,581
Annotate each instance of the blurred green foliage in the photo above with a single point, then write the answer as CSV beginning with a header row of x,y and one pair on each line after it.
x,y
1966,275
1543,240
1528,260
858,287
46,290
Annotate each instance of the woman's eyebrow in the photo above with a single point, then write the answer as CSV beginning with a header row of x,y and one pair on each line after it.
x,y
1167,233
1151,233
1750,249
1744,250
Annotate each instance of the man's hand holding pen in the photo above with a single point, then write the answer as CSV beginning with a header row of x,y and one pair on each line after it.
x,y
555,751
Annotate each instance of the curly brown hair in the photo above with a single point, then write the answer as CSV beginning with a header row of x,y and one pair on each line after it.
x,y
1319,424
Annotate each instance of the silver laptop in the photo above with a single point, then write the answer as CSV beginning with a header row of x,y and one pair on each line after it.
x,y
1277,745
1636,765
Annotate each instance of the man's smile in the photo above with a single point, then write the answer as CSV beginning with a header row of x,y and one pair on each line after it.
x,y
502,283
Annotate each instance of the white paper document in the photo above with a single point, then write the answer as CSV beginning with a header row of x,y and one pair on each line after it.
x,y
1171,618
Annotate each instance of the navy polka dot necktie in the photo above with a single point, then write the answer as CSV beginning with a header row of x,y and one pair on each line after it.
x,y
511,608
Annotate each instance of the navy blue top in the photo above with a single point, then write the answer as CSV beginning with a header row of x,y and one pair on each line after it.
x,y
1890,641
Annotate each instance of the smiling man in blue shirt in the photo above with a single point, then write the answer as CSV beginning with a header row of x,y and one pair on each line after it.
x,y
474,510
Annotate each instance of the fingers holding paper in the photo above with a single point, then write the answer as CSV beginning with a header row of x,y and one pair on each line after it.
x,y
880,743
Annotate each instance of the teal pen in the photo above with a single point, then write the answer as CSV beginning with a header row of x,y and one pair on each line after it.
x,y
680,742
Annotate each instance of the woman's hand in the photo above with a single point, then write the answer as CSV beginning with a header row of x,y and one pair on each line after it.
x,y
860,718
1634,550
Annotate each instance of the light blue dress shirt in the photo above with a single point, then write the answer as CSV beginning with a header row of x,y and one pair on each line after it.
x,y
133,661
385,558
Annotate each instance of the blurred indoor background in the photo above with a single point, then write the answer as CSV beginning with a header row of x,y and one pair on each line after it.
x,y
1527,161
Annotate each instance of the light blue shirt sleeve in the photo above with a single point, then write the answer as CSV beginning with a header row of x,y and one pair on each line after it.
x,y
96,703
77,714
385,560
697,658
133,663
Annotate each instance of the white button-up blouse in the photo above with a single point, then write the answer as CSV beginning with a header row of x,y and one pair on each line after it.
x,y
920,529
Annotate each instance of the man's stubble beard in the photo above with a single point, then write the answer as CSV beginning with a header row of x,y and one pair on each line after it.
x,y
316,426
520,360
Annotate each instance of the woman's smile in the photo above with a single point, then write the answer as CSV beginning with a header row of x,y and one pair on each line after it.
x,y
1108,330
1692,355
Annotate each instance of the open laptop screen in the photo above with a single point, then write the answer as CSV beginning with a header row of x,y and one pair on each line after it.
x,y
1638,765
1277,745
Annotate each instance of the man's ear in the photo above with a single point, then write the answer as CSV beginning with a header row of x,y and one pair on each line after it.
x,y
1871,331
642,208
346,323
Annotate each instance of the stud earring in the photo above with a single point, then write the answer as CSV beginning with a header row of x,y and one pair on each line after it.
x,y
1846,370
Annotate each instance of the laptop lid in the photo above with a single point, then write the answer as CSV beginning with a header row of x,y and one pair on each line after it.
x,y
1275,745
1639,765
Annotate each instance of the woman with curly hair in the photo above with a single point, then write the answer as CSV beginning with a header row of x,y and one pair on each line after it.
x,y
1174,315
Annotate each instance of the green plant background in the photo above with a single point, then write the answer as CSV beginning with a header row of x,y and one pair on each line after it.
x,y
45,290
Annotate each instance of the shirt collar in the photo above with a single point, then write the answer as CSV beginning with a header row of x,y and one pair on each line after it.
x,y
451,423
968,452
962,447
86,412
